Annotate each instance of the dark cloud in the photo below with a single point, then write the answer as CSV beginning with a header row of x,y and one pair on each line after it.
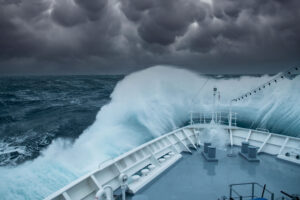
x,y
67,13
77,36
7,2
92,5
93,8
162,21
248,27
15,40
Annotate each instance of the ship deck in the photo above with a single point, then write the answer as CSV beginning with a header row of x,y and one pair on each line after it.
x,y
194,178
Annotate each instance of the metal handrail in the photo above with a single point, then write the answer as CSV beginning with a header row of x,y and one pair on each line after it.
x,y
219,117
262,129
240,197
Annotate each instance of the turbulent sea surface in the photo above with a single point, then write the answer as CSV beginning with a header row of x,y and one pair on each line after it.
x,y
36,110
56,129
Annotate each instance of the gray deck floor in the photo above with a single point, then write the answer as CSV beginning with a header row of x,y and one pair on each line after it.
x,y
193,178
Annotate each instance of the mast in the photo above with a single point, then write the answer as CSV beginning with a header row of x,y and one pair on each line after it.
x,y
215,90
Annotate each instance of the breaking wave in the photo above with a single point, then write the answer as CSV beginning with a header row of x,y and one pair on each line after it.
x,y
145,105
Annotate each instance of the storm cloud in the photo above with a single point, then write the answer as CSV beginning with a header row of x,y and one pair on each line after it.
x,y
119,36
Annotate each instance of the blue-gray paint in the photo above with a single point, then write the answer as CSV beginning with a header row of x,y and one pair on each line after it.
x,y
195,178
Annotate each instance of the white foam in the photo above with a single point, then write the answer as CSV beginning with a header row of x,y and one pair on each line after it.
x,y
144,105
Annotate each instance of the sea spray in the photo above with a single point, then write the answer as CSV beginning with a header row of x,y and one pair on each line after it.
x,y
215,135
144,105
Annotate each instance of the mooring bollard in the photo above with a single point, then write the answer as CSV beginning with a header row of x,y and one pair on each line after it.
x,y
211,152
252,151
206,144
244,148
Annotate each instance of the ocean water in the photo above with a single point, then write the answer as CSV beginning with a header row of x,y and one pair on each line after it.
x,y
64,127
36,110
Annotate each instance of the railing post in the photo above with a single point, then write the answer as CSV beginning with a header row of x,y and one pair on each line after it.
x,y
252,191
272,196
230,191
200,118
241,198
235,119
230,119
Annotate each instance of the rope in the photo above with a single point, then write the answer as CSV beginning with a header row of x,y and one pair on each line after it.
x,y
198,92
288,74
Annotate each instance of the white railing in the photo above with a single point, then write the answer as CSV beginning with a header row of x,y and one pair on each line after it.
x,y
218,117
262,129
283,146
141,165
147,161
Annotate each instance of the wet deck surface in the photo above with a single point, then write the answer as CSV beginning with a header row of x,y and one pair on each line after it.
x,y
193,178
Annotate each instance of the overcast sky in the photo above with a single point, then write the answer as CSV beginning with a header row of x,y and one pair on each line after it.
x,y
121,36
